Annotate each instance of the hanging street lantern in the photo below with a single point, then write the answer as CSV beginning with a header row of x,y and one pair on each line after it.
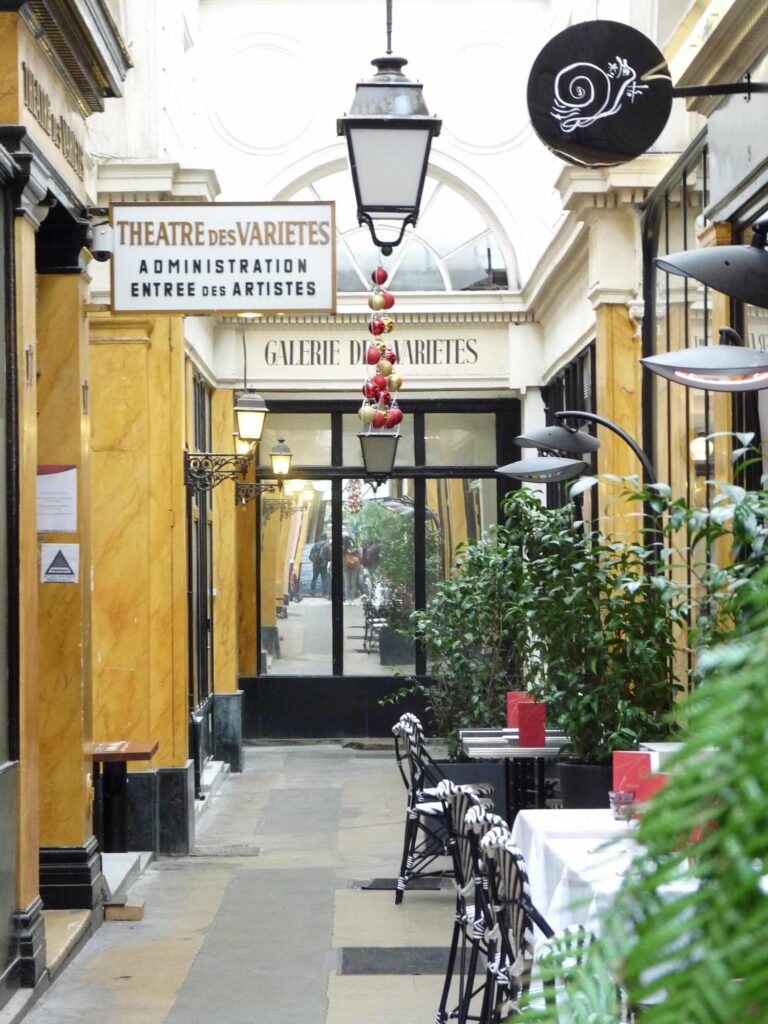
x,y
389,133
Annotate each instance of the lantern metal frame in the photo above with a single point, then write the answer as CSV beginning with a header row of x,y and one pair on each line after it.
x,y
376,106
380,471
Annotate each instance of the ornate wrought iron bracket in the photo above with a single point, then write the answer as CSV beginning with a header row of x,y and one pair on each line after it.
x,y
246,491
205,470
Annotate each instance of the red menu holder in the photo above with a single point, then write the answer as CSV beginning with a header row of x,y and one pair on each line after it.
x,y
531,723
514,697
638,770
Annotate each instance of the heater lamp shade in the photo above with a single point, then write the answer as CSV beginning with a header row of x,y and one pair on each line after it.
x,y
250,410
739,271
558,439
543,470
379,452
713,368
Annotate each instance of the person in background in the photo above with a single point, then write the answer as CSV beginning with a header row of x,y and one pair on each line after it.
x,y
351,561
319,556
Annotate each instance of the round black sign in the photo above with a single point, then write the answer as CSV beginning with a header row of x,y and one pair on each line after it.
x,y
599,93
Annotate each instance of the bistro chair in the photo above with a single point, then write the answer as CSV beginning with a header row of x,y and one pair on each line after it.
x,y
426,826
512,916
469,820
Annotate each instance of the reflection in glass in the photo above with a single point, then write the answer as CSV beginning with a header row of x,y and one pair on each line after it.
x,y
295,569
308,437
458,513
378,567
466,440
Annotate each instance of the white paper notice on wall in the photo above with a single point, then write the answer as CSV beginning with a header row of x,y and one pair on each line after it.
x,y
56,499
59,563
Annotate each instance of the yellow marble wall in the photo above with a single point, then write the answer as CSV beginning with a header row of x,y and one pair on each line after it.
x,y
10,112
247,643
139,532
26,329
617,371
64,635
225,622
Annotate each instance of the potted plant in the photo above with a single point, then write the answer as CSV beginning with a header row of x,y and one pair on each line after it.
x,y
600,623
394,605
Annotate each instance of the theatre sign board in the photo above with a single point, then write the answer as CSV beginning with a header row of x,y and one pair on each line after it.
x,y
223,257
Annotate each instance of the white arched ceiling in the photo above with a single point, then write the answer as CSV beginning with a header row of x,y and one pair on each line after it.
x,y
326,176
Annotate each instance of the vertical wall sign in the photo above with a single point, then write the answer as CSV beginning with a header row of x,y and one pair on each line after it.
x,y
56,499
599,93
224,257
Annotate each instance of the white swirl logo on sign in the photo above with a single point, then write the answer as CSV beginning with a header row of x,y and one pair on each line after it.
x,y
608,105
584,92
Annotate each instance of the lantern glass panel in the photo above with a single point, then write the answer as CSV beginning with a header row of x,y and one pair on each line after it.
x,y
386,182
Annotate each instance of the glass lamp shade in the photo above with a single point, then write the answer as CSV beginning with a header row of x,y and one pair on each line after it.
x,y
558,439
713,368
250,410
389,132
379,450
545,469
280,457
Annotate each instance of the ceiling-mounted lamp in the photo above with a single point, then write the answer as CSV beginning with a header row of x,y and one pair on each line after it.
x,y
739,271
543,469
389,133
724,367
250,407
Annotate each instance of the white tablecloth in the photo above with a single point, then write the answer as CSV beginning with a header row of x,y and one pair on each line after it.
x,y
576,861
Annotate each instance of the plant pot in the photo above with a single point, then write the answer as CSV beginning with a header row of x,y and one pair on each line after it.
x,y
583,784
395,649
465,773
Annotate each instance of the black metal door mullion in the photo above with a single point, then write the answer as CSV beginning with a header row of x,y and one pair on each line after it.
x,y
420,560
337,579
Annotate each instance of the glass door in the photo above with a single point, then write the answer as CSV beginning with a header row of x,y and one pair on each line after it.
x,y
343,564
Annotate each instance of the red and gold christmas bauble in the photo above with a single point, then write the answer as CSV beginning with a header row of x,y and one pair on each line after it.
x,y
377,301
384,367
377,326
373,355
394,382
379,276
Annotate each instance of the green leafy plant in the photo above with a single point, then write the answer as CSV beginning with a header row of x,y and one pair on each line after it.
x,y
686,936
474,634
600,625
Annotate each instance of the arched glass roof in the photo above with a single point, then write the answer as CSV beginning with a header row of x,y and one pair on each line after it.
x,y
452,247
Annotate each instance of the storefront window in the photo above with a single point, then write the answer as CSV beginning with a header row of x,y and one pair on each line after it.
x,y
344,563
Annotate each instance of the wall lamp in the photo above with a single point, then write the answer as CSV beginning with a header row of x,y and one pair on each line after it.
x,y
724,367
379,448
389,133
739,271
280,457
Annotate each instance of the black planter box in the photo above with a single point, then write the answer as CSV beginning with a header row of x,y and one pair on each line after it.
x,y
395,649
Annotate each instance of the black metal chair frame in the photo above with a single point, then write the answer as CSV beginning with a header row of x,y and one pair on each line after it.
x,y
473,913
426,830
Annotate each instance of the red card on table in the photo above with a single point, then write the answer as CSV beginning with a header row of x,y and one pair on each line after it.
x,y
531,723
514,697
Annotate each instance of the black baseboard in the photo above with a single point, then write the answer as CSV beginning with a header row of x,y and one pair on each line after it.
x,y
143,811
29,927
319,707
70,877
228,729
176,797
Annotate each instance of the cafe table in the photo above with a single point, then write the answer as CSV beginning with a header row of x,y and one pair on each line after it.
x,y
576,862
524,767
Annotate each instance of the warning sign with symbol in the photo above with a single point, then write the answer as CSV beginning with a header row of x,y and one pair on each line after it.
x,y
59,563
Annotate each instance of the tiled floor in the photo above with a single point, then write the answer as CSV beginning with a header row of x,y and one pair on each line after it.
x,y
251,929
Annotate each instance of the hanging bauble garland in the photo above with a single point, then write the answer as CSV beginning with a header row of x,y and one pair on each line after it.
x,y
380,408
